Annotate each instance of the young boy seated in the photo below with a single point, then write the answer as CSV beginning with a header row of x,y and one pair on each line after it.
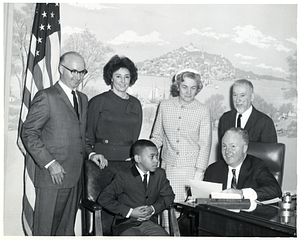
x,y
136,202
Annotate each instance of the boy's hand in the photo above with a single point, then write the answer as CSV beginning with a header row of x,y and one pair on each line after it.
x,y
139,212
142,213
149,211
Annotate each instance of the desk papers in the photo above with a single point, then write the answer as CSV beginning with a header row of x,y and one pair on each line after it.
x,y
202,189
271,201
222,195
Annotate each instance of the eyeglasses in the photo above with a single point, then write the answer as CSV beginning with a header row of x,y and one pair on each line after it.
x,y
75,72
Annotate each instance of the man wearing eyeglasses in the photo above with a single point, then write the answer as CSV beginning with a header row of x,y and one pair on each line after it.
x,y
54,135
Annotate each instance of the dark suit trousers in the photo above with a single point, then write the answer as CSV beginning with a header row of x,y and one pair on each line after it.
x,y
55,211
147,228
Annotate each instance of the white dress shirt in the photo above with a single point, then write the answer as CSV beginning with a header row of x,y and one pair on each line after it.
x,y
244,118
142,174
230,175
248,193
68,92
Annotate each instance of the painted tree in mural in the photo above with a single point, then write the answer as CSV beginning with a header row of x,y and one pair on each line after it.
x,y
93,51
265,107
22,24
292,63
286,108
214,103
86,43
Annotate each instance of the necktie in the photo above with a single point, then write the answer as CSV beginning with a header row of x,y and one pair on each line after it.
x,y
239,121
233,181
145,180
75,103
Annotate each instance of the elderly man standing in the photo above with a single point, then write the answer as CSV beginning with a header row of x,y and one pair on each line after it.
x,y
242,173
54,135
260,127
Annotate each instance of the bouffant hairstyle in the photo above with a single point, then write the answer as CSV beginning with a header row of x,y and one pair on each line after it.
x,y
117,62
179,78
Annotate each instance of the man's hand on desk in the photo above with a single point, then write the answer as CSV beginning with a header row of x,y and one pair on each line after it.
x,y
232,190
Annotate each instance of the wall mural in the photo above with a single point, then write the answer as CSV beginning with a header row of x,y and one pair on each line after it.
x,y
223,42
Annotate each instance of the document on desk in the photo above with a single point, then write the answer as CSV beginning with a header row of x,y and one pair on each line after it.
x,y
202,189
271,201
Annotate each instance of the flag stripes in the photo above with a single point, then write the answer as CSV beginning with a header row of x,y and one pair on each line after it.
x,y
41,72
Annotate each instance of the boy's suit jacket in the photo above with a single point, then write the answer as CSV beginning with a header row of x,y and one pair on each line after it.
x,y
254,174
52,130
127,191
260,127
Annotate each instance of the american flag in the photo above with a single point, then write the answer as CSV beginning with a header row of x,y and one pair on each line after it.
x,y
41,72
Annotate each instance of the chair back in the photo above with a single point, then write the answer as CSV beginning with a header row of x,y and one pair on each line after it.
x,y
92,180
273,155
94,183
95,180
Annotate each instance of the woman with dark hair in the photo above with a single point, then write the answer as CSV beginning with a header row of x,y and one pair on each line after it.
x,y
114,119
183,129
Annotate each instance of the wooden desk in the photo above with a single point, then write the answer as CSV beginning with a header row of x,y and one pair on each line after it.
x,y
264,221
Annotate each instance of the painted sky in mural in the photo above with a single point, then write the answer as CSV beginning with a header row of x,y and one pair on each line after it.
x,y
254,37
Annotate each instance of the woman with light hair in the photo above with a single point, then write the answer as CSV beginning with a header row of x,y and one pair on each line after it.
x,y
183,129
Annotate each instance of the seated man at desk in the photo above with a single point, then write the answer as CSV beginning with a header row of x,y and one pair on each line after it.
x,y
242,173
137,194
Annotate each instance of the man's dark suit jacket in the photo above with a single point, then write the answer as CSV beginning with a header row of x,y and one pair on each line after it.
x,y
127,191
254,174
260,127
52,130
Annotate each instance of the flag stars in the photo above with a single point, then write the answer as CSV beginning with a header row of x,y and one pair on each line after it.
x,y
42,27
37,53
39,40
44,14
48,27
52,15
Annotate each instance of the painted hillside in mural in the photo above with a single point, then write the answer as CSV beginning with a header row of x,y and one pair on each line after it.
x,y
221,51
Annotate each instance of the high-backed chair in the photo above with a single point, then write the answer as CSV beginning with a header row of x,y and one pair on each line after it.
x,y
93,223
273,154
